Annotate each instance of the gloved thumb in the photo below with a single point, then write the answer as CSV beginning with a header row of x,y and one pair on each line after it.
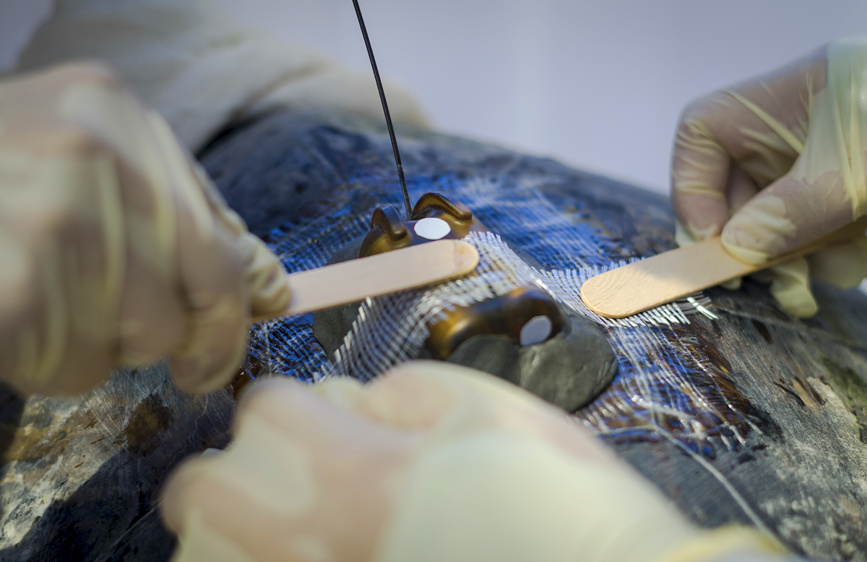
x,y
787,215
265,278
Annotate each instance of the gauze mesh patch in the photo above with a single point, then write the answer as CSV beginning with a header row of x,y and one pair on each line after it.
x,y
664,387
393,328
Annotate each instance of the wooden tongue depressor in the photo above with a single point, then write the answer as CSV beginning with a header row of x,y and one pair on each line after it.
x,y
671,275
376,275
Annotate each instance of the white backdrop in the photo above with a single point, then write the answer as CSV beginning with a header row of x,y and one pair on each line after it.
x,y
597,84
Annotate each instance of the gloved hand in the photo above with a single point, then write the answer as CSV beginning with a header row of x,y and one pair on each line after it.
x,y
777,162
115,249
431,462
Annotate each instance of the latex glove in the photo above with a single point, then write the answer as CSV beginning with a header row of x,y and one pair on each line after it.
x,y
429,462
777,162
115,248
202,70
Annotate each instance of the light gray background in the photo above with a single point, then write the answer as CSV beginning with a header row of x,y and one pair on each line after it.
x,y
597,84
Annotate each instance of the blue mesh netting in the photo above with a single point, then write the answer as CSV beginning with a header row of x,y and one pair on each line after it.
x,y
660,388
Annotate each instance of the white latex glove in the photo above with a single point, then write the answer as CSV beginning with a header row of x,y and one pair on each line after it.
x,y
115,248
431,462
202,70
777,162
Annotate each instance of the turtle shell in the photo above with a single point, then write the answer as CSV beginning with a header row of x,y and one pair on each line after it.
x,y
741,414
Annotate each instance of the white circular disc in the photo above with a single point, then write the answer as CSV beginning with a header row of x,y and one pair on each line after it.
x,y
536,330
432,228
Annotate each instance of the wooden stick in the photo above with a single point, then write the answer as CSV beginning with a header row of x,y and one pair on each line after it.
x,y
660,279
357,279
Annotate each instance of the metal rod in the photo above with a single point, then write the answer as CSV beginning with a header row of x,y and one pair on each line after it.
x,y
385,110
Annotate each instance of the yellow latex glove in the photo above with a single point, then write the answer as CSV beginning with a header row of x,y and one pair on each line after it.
x,y
115,248
776,162
431,462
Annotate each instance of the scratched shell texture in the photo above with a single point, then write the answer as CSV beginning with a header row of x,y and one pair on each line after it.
x,y
753,417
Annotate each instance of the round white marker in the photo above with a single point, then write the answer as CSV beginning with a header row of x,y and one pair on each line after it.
x,y
536,330
432,228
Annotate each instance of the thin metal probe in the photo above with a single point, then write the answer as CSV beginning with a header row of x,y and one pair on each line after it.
x,y
385,110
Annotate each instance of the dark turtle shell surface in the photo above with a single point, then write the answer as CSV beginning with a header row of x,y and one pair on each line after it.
x,y
739,413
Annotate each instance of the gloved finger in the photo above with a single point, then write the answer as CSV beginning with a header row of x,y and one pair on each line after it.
x,y
264,275
300,466
726,143
19,303
707,184
207,478
450,392
208,262
147,316
216,306
43,353
85,364
843,264
79,299
790,286
785,216
16,275
39,352
142,256
151,318
210,276
739,189
700,168
251,497
789,281
260,275
459,401
65,316
328,414
760,126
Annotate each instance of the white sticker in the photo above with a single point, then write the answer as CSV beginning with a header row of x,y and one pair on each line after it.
x,y
432,228
536,330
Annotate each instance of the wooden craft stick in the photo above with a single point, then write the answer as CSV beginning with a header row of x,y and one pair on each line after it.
x,y
675,274
388,272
